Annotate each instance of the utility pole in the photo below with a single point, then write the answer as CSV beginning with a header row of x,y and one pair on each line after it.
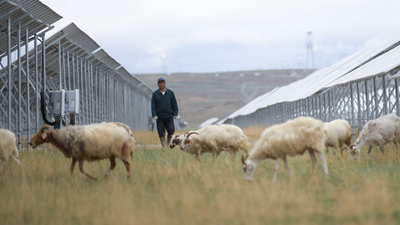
x,y
310,51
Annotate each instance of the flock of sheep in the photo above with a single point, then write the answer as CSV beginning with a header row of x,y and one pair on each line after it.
x,y
115,140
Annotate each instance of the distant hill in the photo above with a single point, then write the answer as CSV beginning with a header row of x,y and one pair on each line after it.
x,y
205,95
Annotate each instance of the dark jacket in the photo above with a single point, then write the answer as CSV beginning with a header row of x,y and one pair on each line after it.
x,y
164,106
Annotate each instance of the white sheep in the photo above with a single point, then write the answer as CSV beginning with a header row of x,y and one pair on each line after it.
x,y
215,139
90,142
7,147
288,139
378,132
338,136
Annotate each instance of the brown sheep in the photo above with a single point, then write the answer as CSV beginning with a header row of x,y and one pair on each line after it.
x,y
89,142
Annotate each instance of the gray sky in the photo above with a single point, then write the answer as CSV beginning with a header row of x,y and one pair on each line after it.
x,y
222,35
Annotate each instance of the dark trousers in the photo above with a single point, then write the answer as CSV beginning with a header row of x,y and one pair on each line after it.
x,y
165,124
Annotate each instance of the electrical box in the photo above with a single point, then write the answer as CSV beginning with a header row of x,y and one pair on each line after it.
x,y
56,103
72,102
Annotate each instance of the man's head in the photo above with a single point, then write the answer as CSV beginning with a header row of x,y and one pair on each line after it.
x,y
160,80
161,83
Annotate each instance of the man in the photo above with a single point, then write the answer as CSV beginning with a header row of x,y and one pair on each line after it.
x,y
164,110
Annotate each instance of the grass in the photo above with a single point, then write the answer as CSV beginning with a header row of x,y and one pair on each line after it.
x,y
171,187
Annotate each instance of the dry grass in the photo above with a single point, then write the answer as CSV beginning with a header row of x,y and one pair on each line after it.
x,y
171,187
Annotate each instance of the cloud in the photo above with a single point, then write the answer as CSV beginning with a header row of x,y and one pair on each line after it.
x,y
205,33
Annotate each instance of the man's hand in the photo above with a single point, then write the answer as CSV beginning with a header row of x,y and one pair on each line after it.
x,y
155,118
175,117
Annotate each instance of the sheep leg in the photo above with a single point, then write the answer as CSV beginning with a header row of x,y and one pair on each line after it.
x,y
81,169
313,162
287,166
128,168
323,160
397,147
369,151
382,149
198,157
335,149
278,161
2,165
73,165
112,161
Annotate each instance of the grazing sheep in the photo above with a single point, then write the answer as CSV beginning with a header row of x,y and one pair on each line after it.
x,y
338,136
215,139
378,132
7,147
90,142
288,139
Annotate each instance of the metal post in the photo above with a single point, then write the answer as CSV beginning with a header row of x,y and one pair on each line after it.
x,y
28,106
384,92
397,97
59,64
73,71
63,69
359,107
19,89
96,96
68,72
36,83
376,99
366,98
329,107
10,80
352,110
86,93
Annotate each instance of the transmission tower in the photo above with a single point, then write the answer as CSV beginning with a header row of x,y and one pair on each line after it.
x,y
310,52
164,57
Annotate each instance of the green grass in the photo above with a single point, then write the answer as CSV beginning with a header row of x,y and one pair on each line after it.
x,y
172,187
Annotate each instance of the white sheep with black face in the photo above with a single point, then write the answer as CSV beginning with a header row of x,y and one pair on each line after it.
x,y
176,140
7,147
378,132
215,139
288,139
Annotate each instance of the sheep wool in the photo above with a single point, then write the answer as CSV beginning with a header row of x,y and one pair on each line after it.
x,y
378,132
215,139
89,142
338,135
288,139
7,147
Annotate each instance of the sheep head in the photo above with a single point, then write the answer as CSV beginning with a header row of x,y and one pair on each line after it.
x,y
175,140
249,167
41,136
355,152
187,140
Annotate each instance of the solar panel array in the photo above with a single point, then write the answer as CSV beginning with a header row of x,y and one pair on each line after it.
x,y
69,60
358,88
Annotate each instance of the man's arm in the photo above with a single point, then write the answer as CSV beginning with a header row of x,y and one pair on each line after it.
x,y
153,106
174,105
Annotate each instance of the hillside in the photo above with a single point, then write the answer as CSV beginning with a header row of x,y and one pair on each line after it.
x,y
202,96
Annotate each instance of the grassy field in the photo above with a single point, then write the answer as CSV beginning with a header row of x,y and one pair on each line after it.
x,y
171,187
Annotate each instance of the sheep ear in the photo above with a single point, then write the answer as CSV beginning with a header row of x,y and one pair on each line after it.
x,y
191,141
249,167
44,136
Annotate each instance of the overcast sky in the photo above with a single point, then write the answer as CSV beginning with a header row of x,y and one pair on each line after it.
x,y
155,36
